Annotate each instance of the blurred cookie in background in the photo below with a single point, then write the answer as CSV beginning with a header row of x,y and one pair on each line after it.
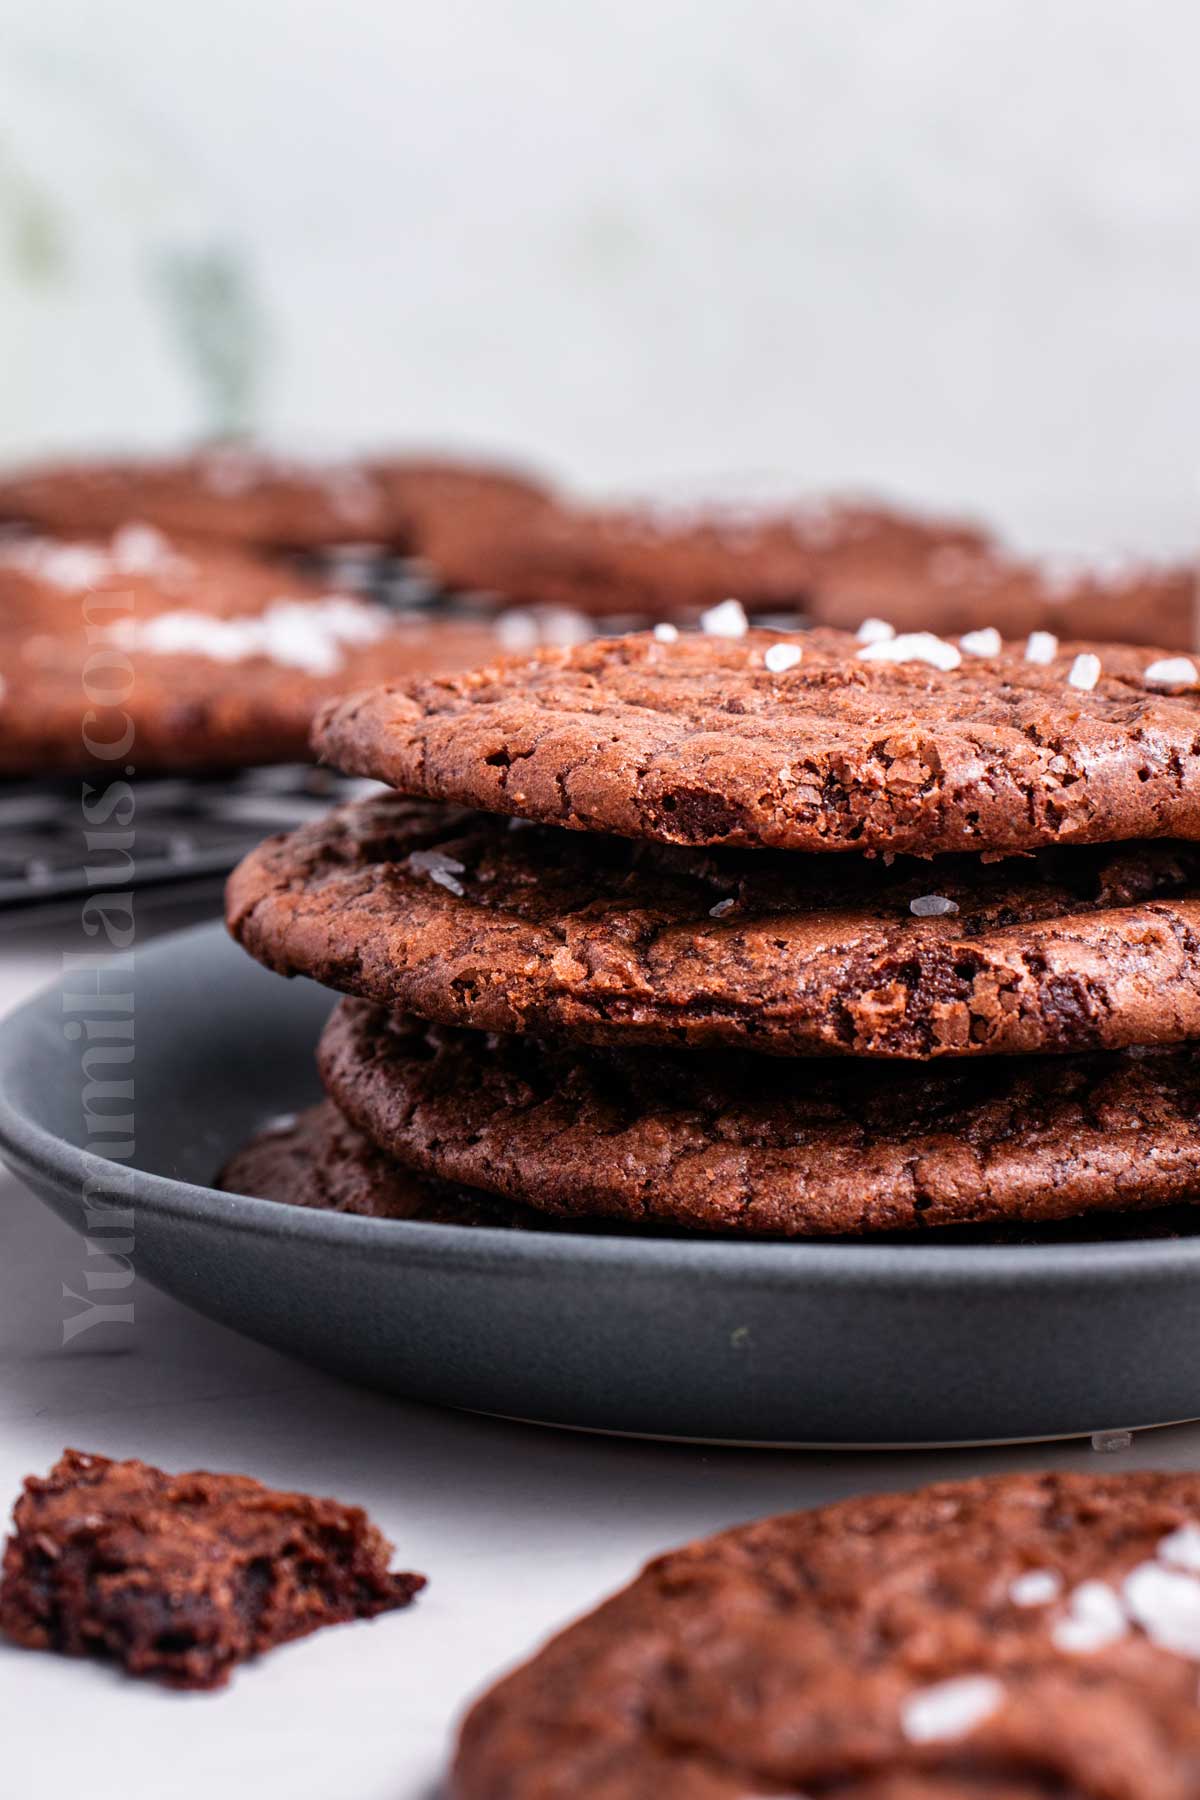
x,y
141,649
671,562
425,497
233,493
956,588
833,563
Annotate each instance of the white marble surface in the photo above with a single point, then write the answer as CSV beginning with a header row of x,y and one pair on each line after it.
x,y
517,1528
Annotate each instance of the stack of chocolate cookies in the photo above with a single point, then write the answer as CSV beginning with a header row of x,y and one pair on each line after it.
x,y
752,933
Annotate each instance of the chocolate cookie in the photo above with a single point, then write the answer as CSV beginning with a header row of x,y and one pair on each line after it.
x,y
949,588
812,743
429,499
1030,1636
181,1577
462,919
138,650
721,1141
240,495
671,562
318,1159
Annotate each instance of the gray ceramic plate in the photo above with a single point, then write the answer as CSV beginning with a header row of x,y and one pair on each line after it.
x,y
840,1343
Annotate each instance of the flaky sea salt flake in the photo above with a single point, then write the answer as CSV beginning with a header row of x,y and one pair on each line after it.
x,y
1171,671
517,630
913,646
951,1709
1085,672
439,867
1094,1619
875,631
985,642
1181,1548
1036,1587
728,620
932,906
1041,647
1166,1604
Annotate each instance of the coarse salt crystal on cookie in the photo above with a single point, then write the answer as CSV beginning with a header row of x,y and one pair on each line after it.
x,y
439,867
913,646
308,635
728,620
142,550
517,630
296,634
1085,672
985,642
187,633
1036,1587
951,1709
1095,1618
666,633
1181,1548
875,631
72,567
1041,647
1166,1604
1171,671
563,625
932,906
782,657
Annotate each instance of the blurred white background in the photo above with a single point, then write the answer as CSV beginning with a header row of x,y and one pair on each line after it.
x,y
948,251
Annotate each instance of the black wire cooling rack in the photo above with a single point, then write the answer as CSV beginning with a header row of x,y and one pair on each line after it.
x,y
188,828
182,829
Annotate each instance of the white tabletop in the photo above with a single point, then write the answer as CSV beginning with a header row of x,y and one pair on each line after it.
x,y
517,1528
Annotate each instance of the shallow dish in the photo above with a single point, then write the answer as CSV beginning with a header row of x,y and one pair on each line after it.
x,y
834,1343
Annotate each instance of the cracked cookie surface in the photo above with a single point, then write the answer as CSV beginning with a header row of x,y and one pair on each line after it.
x,y
465,920
701,741
317,1159
898,1647
719,1141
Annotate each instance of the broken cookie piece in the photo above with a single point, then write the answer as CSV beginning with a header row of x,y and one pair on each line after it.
x,y
181,1577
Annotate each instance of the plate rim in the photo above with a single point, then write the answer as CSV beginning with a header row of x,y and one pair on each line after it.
x,y
31,1150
